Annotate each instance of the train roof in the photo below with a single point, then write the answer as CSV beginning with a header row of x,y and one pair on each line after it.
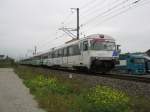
x,y
93,36
74,41
102,36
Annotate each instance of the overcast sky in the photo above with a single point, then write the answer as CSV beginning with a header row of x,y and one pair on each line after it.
x,y
26,23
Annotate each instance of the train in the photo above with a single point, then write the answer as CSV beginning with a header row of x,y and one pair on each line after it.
x,y
133,63
96,52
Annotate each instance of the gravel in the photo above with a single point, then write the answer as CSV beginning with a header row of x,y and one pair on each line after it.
x,y
132,88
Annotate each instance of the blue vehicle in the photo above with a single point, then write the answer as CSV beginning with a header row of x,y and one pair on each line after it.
x,y
147,64
147,60
131,64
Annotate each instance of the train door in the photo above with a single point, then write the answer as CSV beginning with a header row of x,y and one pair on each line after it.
x,y
84,53
60,57
81,53
73,55
70,56
65,57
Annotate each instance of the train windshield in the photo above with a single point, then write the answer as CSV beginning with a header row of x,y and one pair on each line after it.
x,y
102,45
139,61
148,65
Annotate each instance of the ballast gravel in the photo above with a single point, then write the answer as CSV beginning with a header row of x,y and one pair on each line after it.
x,y
132,88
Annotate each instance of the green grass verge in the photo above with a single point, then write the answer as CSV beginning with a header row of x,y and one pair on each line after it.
x,y
6,63
58,94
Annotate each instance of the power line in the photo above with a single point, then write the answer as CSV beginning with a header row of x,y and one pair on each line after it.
x,y
65,21
88,3
92,9
52,45
39,44
132,5
48,42
68,31
67,17
88,11
98,8
97,5
69,22
106,11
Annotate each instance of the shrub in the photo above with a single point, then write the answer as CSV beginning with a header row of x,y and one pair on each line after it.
x,y
40,83
103,99
58,94
106,99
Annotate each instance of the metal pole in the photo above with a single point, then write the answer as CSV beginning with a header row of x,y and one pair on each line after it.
x,y
78,28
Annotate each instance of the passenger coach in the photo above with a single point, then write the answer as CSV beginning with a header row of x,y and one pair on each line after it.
x,y
95,52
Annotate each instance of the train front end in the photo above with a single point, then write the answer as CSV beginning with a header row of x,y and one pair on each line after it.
x,y
104,53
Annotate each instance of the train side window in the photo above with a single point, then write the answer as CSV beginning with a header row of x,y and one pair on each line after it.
x,y
81,46
45,56
55,54
60,52
65,52
70,50
76,50
85,45
50,55
132,61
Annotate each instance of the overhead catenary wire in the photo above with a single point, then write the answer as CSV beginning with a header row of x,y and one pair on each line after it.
x,y
52,40
93,9
109,13
125,9
106,11
44,42
86,9
67,19
49,42
97,7
121,11
57,37
65,24
87,4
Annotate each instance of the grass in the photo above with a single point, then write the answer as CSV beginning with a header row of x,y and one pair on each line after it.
x,y
6,63
55,93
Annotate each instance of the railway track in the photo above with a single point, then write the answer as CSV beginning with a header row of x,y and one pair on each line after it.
x,y
128,77
108,75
